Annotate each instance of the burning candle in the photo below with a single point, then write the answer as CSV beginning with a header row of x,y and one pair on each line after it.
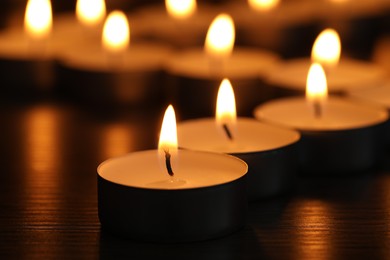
x,y
376,95
90,13
269,151
356,20
115,72
348,74
263,5
339,136
281,26
29,52
197,72
82,27
181,23
171,195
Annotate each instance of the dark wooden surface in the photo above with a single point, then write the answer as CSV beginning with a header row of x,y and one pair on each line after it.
x,y
48,205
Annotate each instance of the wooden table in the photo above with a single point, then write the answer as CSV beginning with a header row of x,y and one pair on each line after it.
x,y
48,204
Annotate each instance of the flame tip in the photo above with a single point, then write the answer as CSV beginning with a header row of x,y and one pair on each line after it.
x,y
38,18
316,84
181,9
116,32
220,36
327,48
90,12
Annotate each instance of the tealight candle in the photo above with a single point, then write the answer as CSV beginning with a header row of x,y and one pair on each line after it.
x,y
342,76
269,151
197,72
171,195
282,26
113,72
359,21
338,135
182,23
29,52
83,26
377,95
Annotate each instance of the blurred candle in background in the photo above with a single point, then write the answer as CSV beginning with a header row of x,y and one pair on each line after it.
x,y
90,13
180,9
343,73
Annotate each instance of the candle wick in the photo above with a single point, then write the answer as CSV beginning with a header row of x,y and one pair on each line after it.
x,y
228,132
168,162
317,110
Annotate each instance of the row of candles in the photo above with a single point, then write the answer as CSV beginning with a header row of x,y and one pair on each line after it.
x,y
83,54
201,191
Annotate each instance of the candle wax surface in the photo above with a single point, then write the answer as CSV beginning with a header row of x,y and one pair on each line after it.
x,y
346,10
348,75
250,136
243,63
154,20
15,44
138,57
285,14
195,169
338,114
379,95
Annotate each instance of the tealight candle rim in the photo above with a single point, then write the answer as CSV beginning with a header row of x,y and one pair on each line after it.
x,y
294,140
378,122
242,162
192,189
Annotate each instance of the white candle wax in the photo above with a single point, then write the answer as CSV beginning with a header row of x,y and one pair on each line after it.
x,y
251,136
346,10
269,151
138,57
68,29
15,44
267,28
195,170
379,95
338,114
349,74
285,14
244,63
154,22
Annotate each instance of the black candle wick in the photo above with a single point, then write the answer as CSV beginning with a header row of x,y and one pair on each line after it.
x,y
317,110
168,163
227,131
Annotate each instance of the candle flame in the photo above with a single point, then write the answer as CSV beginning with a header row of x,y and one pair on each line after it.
x,y
90,12
38,18
180,9
220,36
226,107
168,134
316,86
327,48
263,5
116,32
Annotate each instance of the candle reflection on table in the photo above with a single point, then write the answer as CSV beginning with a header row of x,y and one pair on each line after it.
x,y
313,230
117,139
43,142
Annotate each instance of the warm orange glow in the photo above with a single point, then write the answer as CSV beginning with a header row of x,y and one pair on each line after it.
x,y
38,19
226,105
90,12
339,1
168,134
116,32
220,36
263,5
180,9
316,87
326,49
